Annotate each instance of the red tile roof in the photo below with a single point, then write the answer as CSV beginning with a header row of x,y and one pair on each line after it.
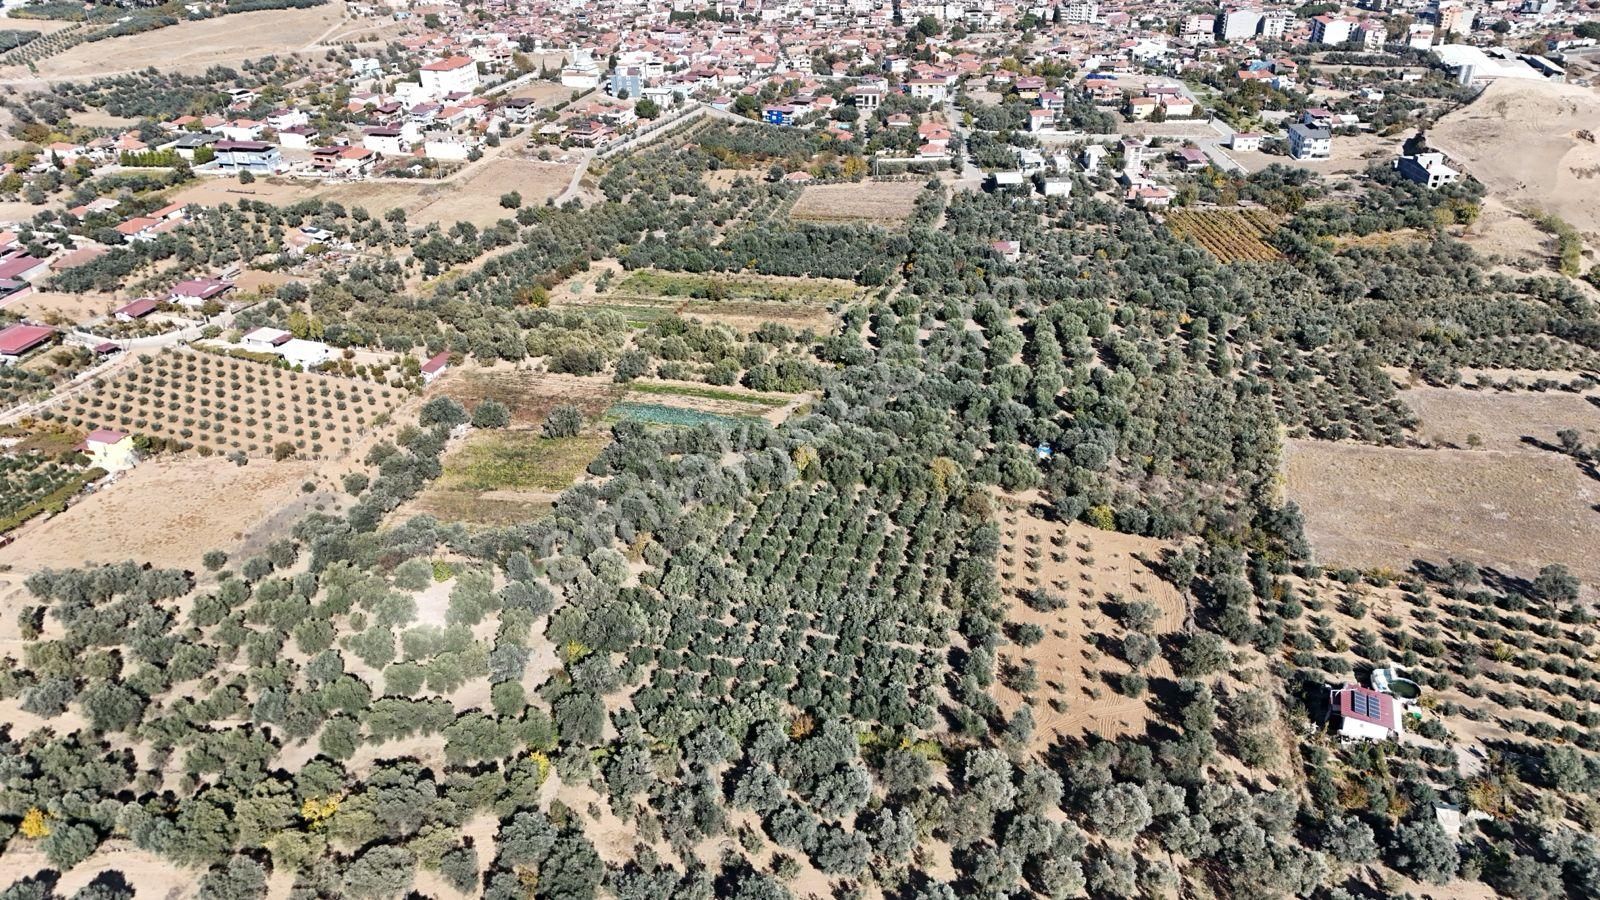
x,y
1365,705
141,307
20,338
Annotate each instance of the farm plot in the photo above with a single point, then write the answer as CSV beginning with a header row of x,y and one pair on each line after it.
x,y
877,203
1381,507
678,403
501,477
742,302
32,483
530,397
472,196
506,477
1085,591
1231,235
1502,420
167,512
718,287
220,404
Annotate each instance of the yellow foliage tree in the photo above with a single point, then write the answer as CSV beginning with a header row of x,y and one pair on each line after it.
x,y
34,825
317,812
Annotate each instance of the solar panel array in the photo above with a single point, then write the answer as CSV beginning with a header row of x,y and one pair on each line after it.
x,y
1366,705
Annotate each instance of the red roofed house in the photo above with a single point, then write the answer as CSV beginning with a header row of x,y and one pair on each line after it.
x,y
138,228
22,267
109,450
138,309
435,367
1366,715
18,339
196,292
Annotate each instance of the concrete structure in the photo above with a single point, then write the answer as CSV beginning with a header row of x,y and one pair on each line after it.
x,y
1239,24
1427,169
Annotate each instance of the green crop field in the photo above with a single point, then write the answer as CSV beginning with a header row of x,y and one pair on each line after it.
x,y
716,287
661,414
520,461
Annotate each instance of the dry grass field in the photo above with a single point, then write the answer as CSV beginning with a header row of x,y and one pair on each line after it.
x,y
63,309
1378,507
1498,420
876,203
165,511
471,197
187,46
1092,571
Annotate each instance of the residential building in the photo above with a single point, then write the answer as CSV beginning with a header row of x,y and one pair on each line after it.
x,y
258,157
452,75
1364,714
17,341
435,367
1427,169
1332,30
1307,142
109,450
1239,24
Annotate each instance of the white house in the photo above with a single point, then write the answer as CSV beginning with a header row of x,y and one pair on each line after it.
x,y
303,353
933,90
1427,169
1365,715
1245,141
435,367
1306,142
265,340
386,141
452,75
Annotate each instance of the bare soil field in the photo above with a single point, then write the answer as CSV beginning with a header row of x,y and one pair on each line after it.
x,y
472,197
545,93
1501,420
194,45
1089,568
1350,154
216,191
57,308
167,512
876,203
1505,233
1520,139
1381,507
529,395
